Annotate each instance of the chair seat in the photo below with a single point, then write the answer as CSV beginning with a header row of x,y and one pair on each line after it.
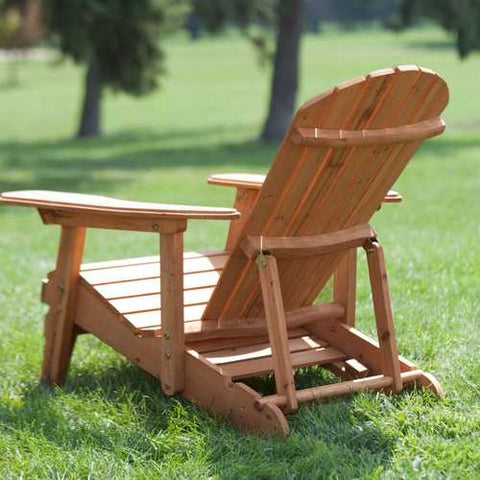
x,y
245,357
132,287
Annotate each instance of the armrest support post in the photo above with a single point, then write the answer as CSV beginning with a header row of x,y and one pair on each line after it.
x,y
345,283
244,200
173,340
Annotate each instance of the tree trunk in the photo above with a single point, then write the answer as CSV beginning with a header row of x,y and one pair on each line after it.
x,y
92,101
285,70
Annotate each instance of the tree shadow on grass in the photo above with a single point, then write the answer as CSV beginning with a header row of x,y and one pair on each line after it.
x,y
120,410
119,405
103,165
432,44
86,164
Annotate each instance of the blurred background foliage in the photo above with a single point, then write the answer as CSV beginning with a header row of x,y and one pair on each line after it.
x,y
459,17
120,42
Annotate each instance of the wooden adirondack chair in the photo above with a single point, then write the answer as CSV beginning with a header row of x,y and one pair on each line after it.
x,y
250,310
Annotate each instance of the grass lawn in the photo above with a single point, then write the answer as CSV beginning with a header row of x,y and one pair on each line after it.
x,y
111,420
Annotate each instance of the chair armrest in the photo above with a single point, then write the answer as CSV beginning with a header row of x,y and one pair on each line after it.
x,y
81,203
247,189
251,181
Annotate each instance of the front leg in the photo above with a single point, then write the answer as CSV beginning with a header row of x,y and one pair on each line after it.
x,y
277,329
60,332
171,296
383,313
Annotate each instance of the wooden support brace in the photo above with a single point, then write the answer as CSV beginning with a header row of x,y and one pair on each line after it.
x,y
345,283
60,333
383,313
336,389
244,200
319,137
277,329
173,339
308,245
130,223
258,326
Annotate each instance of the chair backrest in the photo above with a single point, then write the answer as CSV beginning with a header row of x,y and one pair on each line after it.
x,y
343,152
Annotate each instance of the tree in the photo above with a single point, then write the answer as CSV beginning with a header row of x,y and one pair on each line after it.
x,y
460,17
286,17
285,70
118,40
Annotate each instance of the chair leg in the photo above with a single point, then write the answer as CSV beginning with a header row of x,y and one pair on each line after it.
x,y
277,330
383,313
173,340
60,331
344,285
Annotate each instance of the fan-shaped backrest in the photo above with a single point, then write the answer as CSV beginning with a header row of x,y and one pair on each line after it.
x,y
322,182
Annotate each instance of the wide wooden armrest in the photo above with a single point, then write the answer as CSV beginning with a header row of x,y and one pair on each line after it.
x,y
253,181
81,203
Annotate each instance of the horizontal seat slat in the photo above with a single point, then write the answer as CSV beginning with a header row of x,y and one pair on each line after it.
x,y
151,270
152,302
217,344
193,328
152,317
260,366
150,286
143,260
239,354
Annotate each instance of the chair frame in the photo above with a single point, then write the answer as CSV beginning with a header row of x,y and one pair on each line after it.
x,y
185,357
181,369
173,357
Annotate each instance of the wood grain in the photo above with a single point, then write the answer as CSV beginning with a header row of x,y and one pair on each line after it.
x,y
82,203
173,337
59,323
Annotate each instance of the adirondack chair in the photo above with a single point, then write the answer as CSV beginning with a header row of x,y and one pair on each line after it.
x,y
250,310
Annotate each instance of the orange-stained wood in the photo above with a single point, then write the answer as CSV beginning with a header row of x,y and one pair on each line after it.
x,y
244,201
309,245
345,284
60,331
96,204
129,222
250,181
277,330
383,313
316,137
199,322
327,189
173,338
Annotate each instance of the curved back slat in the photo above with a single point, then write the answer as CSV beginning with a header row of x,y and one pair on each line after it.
x,y
321,188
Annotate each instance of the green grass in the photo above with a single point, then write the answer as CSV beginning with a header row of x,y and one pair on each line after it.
x,y
111,420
